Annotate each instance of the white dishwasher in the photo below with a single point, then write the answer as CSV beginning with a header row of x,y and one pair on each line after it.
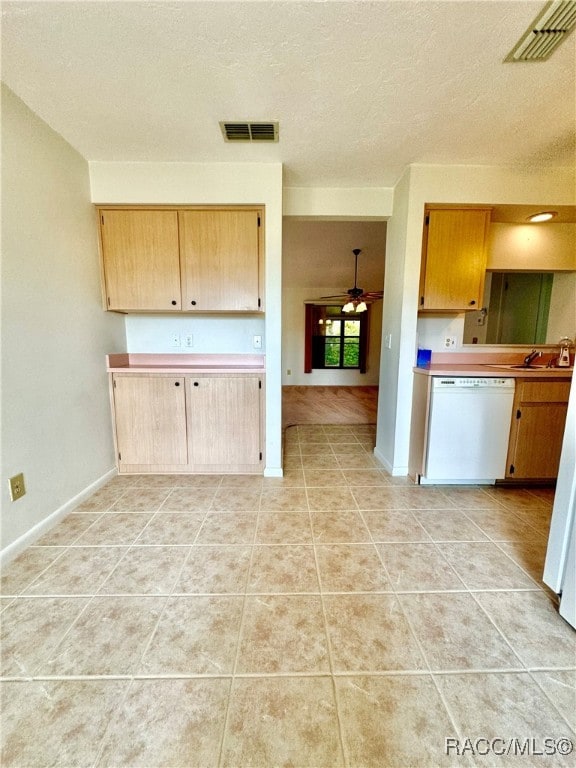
x,y
468,429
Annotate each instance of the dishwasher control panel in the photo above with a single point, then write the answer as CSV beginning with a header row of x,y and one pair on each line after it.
x,y
441,382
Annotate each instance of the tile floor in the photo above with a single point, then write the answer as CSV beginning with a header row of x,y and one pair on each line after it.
x,y
336,616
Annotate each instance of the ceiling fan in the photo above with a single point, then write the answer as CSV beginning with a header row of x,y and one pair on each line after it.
x,y
355,299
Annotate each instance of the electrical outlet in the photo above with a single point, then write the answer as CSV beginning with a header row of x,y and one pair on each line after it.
x,y
189,340
17,487
449,342
289,372
175,340
257,342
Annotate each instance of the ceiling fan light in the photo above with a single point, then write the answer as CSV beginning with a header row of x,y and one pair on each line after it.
x,y
349,307
361,307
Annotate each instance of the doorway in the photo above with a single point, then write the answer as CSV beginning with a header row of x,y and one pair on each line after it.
x,y
317,261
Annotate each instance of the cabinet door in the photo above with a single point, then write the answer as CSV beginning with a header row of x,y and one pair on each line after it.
x,y
224,418
220,260
538,440
454,259
150,413
141,259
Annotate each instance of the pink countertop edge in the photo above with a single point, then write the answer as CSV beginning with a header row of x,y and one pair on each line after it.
x,y
478,364
182,363
488,371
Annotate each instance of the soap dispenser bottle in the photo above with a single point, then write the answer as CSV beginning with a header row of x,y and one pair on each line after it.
x,y
564,355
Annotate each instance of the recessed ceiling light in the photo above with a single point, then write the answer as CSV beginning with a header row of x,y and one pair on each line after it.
x,y
544,216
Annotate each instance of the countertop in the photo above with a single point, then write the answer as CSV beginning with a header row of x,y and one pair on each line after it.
x,y
487,365
181,363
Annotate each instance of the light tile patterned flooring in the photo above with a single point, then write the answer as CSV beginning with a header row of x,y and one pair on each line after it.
x,y
336,616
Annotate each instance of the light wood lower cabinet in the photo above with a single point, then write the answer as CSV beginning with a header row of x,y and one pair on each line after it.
x,y
224,419
188,424
150,420
538,420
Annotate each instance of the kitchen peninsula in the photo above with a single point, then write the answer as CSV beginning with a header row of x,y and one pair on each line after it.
x,y
532,438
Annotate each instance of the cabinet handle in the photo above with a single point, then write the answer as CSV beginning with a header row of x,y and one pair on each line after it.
x,y
195,383
471,303
176,383
174,303
193,303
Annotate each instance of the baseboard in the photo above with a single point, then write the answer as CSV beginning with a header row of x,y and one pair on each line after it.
x,y
394,471
273,472
382,459
23,542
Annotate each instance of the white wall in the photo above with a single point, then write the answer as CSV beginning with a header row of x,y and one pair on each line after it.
x,y
538,247
398,325
56,425
220,334
318,261
212,183
437,184
335,203
432,331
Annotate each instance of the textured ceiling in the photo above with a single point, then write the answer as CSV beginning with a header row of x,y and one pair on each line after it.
x,y
361,89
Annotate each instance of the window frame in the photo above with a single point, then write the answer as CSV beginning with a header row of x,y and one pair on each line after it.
x,y
317,312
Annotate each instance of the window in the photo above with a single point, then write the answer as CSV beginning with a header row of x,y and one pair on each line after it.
x,y
340,345
335,340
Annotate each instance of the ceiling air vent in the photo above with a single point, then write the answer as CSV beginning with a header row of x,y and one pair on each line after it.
x,y
546,33
242,131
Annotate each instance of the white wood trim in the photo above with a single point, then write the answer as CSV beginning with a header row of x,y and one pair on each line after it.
x,y
274,472
16,547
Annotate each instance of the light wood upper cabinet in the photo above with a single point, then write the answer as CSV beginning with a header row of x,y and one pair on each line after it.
x,y
141,261
453,259
219,252
189,258
537,430
150,420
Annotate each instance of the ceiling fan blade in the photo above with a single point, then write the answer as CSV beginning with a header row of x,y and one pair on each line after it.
x,y
344,297
329,301
352,294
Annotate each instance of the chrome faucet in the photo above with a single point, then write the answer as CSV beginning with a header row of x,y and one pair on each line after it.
x,y
532,356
